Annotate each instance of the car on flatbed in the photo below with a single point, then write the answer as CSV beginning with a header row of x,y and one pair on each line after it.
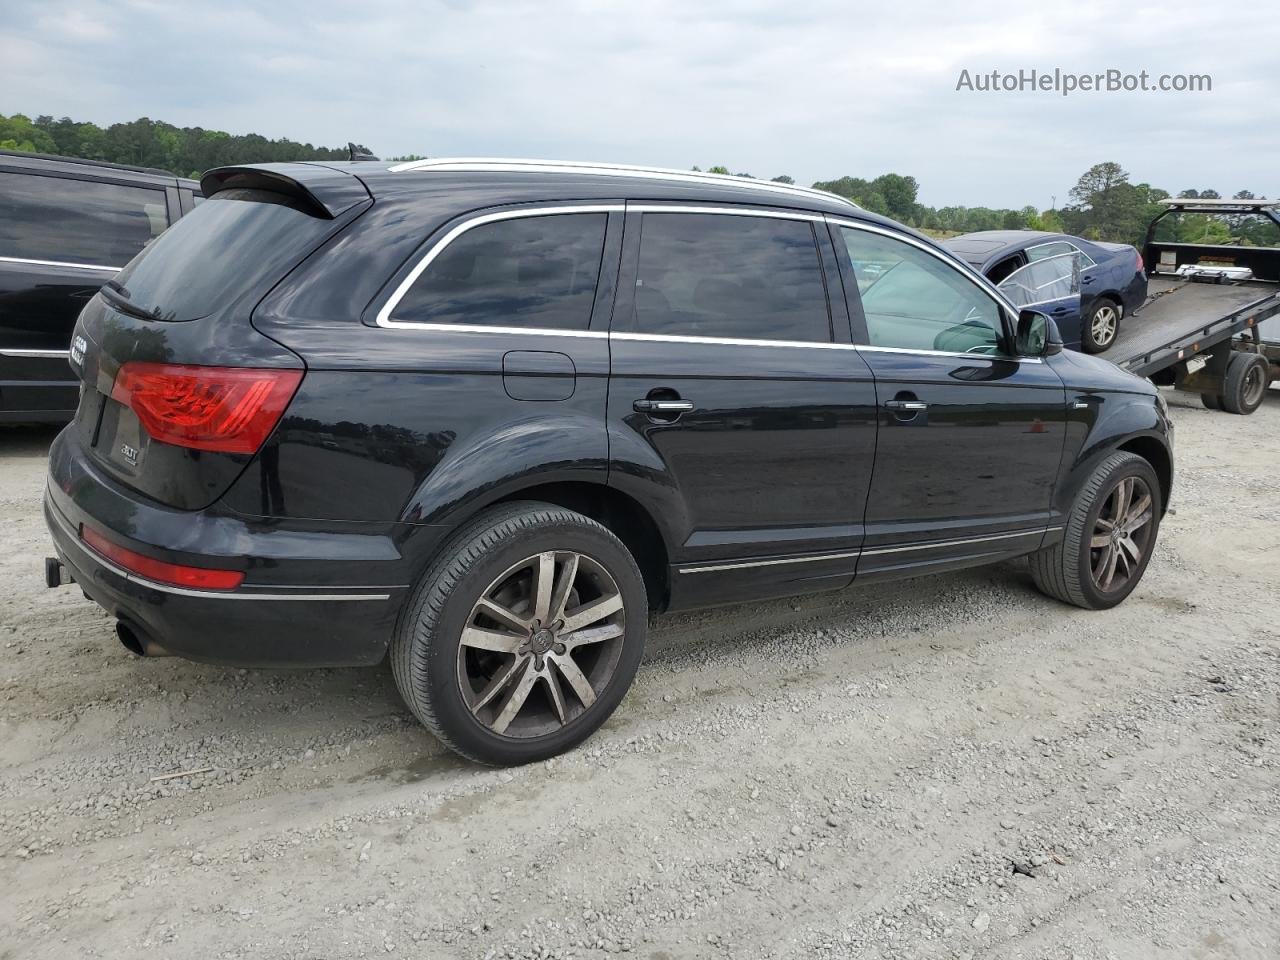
x,y
66,227
1087,286
484,417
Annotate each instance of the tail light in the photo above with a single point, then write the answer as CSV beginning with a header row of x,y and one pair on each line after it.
x,y
223,409
1141,265
152,569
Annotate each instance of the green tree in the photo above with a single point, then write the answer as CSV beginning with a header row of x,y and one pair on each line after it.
x,y
783,179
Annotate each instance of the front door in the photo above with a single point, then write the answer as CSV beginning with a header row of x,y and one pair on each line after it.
x,y
971,436
735,413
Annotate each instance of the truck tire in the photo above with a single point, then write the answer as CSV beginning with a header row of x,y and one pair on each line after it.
x,y
1212,401
1245,384
523,635
1100,325
1109,537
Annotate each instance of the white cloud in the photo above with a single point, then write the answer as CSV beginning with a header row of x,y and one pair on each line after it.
x,y
816,90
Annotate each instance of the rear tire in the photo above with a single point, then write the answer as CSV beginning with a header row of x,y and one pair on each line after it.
x,y
1073,569
1245,384
1100,325
1212,401
503,653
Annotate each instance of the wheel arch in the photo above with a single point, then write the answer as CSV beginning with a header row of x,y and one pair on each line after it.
x,y
1153,450
625,517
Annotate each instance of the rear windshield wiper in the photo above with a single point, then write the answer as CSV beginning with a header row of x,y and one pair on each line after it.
x,y
119,298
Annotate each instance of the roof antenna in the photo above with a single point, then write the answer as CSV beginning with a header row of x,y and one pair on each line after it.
x,y
359,152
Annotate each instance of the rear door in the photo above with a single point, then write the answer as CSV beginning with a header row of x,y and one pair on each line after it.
x,y
61,238
734,410
970,435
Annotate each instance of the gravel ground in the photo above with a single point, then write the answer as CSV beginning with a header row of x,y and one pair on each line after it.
x,y
952,767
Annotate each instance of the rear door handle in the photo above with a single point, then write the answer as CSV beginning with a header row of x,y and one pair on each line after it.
x,y
662,406
908,405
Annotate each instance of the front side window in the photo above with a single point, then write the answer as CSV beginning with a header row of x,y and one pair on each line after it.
x,y
730,276
913,300
530,272
1042,281
77,221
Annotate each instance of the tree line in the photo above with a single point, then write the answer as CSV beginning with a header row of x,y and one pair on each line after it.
x,y
184,151
1104,205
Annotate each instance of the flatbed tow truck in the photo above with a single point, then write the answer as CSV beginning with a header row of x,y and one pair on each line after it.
x,y
1211,321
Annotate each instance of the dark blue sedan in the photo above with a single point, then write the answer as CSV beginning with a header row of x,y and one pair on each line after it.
x,y
1086,286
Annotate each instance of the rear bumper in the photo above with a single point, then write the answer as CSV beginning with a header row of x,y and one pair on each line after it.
x,y
304,601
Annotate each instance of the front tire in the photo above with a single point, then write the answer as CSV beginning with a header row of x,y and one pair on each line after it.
x,y
523,636
1100,326
1109,537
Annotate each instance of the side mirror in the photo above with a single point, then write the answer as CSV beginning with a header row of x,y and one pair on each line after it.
x,y
1037,335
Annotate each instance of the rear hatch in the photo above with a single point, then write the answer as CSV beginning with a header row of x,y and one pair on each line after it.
x,y
179,390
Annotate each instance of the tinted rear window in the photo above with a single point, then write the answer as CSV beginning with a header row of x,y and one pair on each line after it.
x,y
220,250
537,272
65,220
713,275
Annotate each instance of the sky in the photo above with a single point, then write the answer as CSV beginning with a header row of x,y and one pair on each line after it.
x,y
812,90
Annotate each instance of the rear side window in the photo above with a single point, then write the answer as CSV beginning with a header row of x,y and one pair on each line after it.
x,y
530,272
741,277
218,251
77,221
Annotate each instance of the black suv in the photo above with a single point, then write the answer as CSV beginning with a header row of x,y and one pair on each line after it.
x,y
486,416
66,227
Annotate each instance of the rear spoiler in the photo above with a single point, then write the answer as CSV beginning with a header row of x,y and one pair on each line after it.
x,y
327,191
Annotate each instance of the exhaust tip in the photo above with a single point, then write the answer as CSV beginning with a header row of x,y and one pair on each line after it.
x,y
137,641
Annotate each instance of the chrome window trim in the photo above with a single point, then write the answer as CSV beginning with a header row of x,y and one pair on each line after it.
x,y
517,165
384,318
722,210
60,263
873,551
948,353
1037,246
34,352
730,341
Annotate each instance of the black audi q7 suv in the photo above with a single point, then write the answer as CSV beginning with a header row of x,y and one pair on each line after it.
x,y
486,416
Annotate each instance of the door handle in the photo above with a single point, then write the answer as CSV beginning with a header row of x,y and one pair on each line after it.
x,y
911,406
662,407
1086,279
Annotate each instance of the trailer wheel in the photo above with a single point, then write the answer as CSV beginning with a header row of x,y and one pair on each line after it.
x,y
1245,383
1211,400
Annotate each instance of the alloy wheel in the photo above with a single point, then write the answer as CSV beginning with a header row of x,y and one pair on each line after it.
x,y
1105,321
1121,535
541,644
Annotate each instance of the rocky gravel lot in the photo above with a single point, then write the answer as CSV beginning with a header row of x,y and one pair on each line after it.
x,y
954,767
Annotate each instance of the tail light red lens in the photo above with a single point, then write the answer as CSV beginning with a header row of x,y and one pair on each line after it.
x,y
223,409
200,578
1141,265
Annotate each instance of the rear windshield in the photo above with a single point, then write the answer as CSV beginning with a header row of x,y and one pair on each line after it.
x,y
220,250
